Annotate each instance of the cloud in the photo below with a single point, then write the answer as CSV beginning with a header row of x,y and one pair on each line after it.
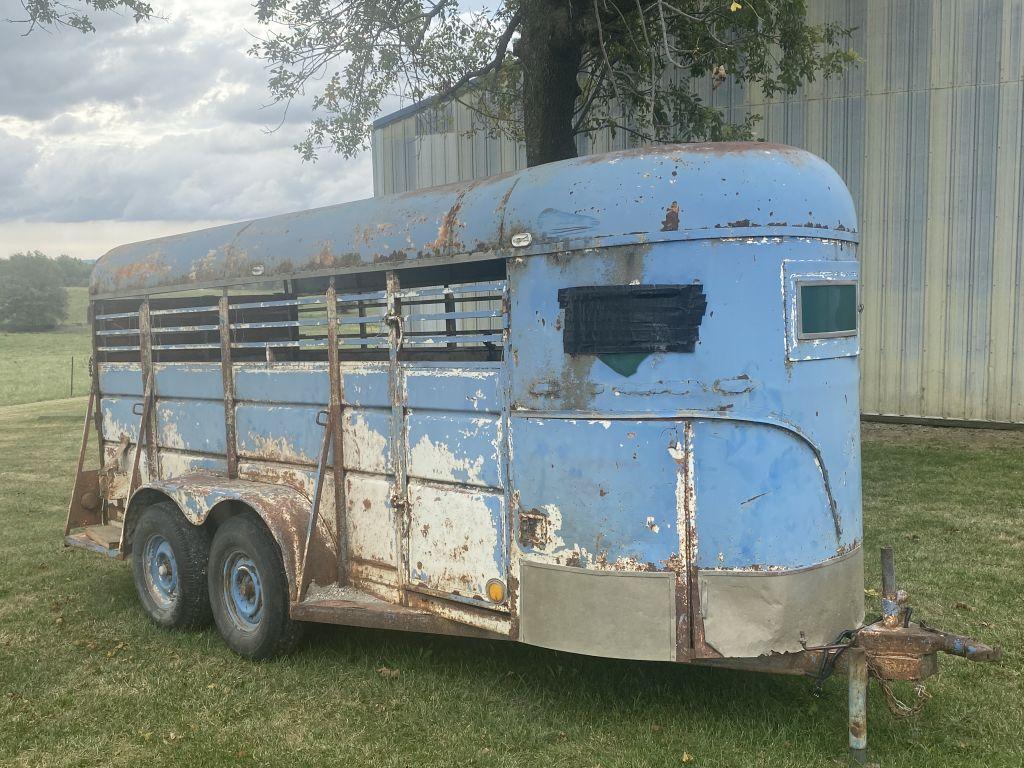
x,y
211,174
156,121
17,156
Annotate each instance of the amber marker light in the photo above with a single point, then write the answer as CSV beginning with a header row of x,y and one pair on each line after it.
x,y
495,591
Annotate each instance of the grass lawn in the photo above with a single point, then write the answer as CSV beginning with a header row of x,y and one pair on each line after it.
x,y
86,680
37,366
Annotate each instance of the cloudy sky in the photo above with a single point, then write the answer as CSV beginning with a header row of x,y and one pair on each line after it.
x,y
138,131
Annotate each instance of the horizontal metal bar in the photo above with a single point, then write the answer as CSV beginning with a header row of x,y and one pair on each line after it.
x,y
363,341
116,316
281,303
457,315
362,320
442,290
183,310
119,332
118,349
184,328
298,343
281,324
185,346
427,341
348,298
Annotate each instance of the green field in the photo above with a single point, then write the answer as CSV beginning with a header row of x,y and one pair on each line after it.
x,y
86,680
37,366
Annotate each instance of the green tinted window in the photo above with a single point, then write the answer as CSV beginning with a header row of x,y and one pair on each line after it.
x,y
828,309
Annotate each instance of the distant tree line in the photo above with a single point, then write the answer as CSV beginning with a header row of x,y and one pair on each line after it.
x,y
33,289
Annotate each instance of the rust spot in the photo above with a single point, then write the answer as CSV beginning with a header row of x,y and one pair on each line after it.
x,y
734,385
533,528
446,233
324,257
671,221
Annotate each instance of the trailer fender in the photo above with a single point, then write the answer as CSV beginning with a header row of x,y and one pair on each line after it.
x,y
284,510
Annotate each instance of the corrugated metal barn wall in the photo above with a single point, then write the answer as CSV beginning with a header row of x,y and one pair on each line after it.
x,y
928,134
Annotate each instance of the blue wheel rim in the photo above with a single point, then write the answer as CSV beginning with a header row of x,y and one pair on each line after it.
x,y
243,591
161,570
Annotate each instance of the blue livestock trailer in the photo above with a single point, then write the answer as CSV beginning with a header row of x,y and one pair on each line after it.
x,y
606,406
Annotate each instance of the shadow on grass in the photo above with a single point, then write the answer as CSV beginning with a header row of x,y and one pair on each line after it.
x,y
565,684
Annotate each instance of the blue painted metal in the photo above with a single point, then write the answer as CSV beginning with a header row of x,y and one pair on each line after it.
x,y
190,425
189,381
761,499
606,489
596,201
161,570
803,414
306,384
243,591
743,455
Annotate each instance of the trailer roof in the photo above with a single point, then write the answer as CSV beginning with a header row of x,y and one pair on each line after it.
x,y
675,192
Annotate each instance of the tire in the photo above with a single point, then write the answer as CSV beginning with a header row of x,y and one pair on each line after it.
x,y
249,590
169,558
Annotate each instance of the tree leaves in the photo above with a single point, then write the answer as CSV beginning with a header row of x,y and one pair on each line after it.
x,y
639,66
60,13
32,293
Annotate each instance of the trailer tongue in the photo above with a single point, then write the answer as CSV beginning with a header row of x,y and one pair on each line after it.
x,y
895,648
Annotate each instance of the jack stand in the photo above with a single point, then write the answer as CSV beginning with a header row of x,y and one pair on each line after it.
x,y
857,672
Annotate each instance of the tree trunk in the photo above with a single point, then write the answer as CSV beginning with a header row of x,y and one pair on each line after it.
x,y
550,49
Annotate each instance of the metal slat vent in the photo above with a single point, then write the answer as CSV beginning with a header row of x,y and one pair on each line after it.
x,y
444,322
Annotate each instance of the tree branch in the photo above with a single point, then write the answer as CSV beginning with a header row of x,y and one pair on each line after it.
x,y
500,52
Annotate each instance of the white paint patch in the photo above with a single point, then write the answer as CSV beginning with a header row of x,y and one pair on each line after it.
x,y
453,539
275,448
365,448
370,519
175,464
437,462
554,515
167,432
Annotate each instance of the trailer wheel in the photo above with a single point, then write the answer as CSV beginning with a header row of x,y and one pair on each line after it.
x,y
169,557
249,590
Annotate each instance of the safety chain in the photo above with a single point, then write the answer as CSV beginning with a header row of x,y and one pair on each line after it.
x,y
832,652
897,707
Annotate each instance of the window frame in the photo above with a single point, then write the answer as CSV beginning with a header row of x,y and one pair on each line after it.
x,y
803,335
817,270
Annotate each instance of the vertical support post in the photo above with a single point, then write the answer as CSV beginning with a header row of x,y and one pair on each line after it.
x,y
75,505
314,516
227,375
450,324
890,599
512,515
145,432
858,703
94,374
396,389
337,434
148,375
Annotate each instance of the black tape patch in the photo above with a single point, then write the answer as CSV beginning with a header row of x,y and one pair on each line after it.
x,y
613,319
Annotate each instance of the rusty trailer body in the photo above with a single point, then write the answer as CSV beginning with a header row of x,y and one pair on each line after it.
x,y
607,406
